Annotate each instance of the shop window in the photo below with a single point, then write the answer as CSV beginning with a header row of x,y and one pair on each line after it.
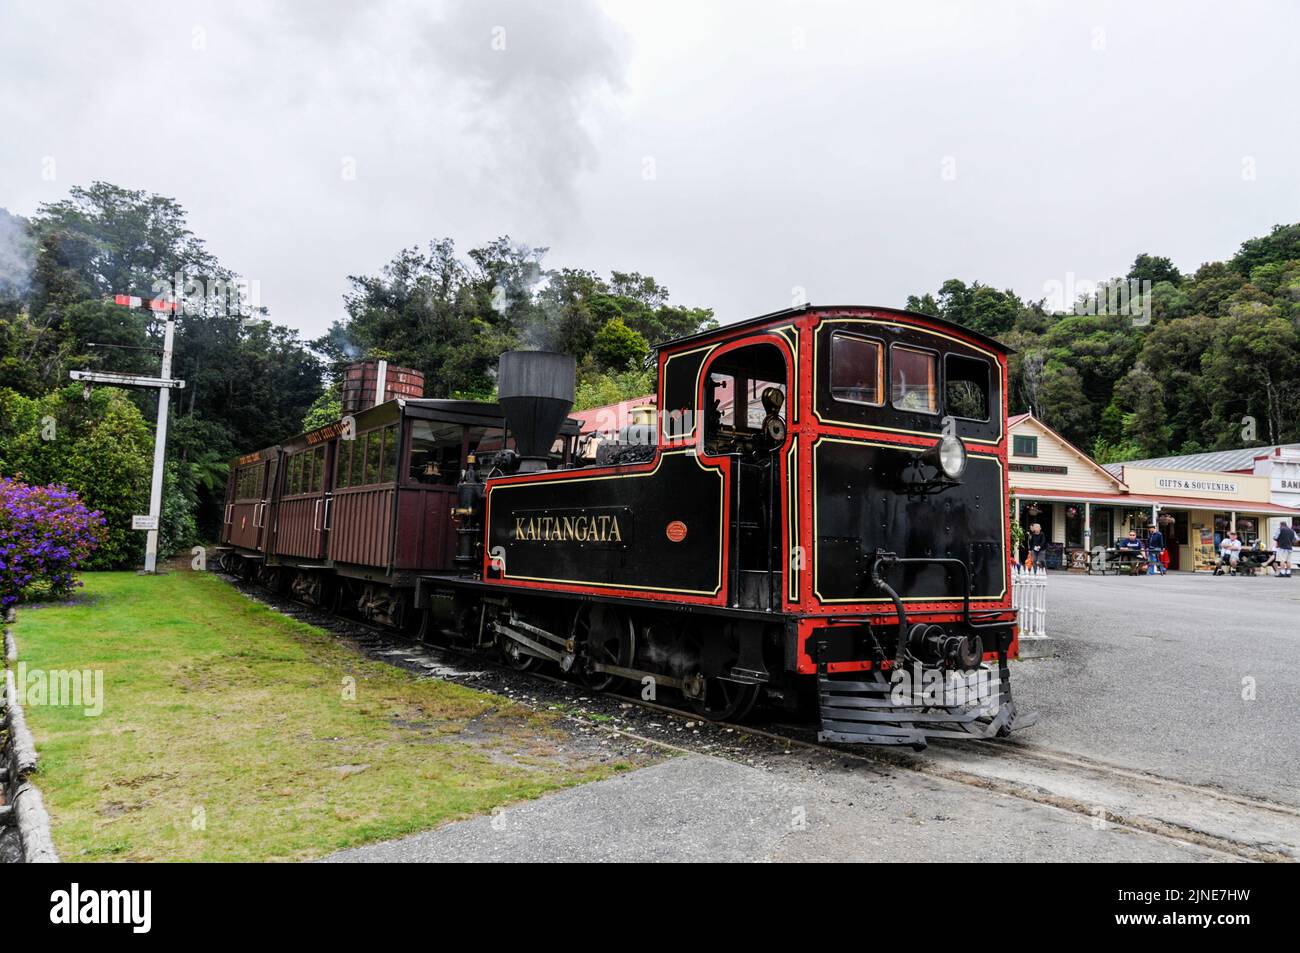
x,y
967,387
1074,525
1222,526
1022,446
857,369
1102,534
914,380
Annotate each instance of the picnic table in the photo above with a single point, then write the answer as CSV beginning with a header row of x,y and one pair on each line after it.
x,y
1119,560
1252,561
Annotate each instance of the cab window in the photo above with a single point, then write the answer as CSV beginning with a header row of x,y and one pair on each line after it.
x,y
914,379
966,384
744,401
857,369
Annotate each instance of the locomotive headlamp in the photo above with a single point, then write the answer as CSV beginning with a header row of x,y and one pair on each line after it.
x,y
949,455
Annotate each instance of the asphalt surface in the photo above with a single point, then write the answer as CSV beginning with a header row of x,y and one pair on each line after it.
x,y
700,808
1150,672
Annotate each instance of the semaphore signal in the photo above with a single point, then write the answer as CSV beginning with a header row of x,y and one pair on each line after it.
x,y
164,384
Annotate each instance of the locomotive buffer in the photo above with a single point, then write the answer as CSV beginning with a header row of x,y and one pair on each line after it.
x,y
164,384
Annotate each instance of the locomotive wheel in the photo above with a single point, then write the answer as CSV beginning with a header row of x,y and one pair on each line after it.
x,y
513,654
724,700
712,697
606,635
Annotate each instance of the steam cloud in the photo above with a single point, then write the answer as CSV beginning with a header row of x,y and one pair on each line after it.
x,y
530,73
16,255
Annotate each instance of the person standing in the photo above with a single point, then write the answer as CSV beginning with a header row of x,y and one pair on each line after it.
x,y
1155,548
1284,543
1035,545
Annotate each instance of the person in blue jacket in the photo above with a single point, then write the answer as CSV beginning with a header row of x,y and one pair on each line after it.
x,y
1155,548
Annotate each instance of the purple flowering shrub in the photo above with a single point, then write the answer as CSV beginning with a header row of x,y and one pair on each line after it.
x,y
46,533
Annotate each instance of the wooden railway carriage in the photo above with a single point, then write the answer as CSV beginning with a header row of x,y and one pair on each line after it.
x,y
248,496
348,514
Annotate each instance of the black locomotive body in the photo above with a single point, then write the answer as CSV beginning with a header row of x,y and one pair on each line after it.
x,y
818,516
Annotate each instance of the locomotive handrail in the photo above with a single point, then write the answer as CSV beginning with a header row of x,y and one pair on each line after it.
x,y
890,559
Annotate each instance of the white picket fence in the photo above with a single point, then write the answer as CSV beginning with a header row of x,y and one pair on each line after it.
x,y
1029,599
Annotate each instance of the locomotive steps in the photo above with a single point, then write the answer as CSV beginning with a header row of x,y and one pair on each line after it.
x,y
1095,793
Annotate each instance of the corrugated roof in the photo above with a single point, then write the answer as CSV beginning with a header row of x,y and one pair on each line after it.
x,y
1221,461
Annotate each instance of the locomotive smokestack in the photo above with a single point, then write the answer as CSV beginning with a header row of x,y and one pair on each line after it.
x,y
535,390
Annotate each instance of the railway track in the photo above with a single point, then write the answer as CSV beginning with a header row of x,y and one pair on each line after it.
x,y
1099,792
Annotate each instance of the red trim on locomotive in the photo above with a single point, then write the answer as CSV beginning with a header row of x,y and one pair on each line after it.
x,y
810,613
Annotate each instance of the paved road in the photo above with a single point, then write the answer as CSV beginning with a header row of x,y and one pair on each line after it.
x,y
698,808
1150,673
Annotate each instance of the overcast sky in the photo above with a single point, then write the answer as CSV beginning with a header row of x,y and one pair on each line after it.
x,y
736,151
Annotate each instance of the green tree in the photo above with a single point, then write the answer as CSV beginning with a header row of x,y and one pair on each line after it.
x,y
327,408
101,447
617,347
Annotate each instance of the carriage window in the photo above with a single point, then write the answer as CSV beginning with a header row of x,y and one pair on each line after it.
x,y
344,461
318,470
857,369
966,387
374,448
248,484
914,380
435,452
295,475
388,469
487,440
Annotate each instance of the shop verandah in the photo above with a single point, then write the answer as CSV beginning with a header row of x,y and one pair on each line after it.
x,y
1077,526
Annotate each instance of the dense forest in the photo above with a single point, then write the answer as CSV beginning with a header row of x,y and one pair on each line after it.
x,y
1210,360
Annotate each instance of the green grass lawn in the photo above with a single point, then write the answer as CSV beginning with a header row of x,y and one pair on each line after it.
x,y
228,732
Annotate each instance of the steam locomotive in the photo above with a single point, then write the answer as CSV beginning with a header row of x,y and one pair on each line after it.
x,y
816,515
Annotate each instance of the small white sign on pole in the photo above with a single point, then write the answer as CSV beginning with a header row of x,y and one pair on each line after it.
x,y
144,522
